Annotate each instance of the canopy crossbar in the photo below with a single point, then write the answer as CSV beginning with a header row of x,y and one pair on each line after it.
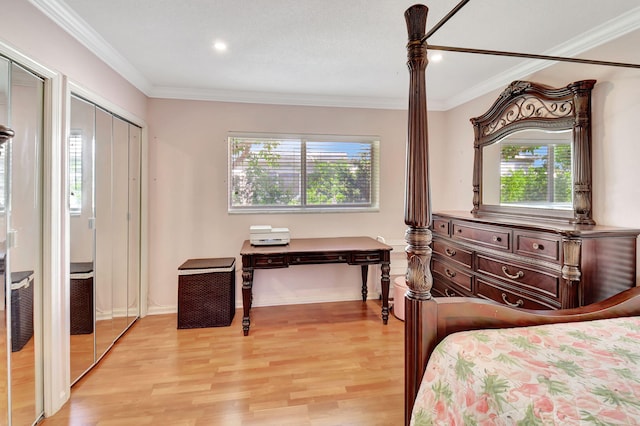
x,y
462,3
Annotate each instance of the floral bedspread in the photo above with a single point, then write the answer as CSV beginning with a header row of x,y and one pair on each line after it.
x,y
585,373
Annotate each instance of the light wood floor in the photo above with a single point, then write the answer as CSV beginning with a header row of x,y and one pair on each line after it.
x,y
318,364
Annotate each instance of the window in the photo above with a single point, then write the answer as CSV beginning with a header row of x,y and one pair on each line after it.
x,y
75,173
302,173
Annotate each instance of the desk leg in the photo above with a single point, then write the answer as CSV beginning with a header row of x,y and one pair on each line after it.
x,y
365,274
384,281
247,297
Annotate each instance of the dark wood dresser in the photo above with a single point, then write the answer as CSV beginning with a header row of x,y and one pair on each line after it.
x,y
528,263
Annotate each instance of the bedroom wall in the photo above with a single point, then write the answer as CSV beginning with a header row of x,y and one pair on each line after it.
x,y
188,196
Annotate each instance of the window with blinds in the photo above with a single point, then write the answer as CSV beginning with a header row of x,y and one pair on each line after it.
x,y
75,173
302,173
536,173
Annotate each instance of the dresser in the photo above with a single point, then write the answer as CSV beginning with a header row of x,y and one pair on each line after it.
x,y
530,264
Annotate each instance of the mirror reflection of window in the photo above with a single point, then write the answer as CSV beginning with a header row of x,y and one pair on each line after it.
x,y
534,173
530,168
75,172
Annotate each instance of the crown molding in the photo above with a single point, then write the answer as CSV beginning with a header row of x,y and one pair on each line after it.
x,y
278,98
597,36
61,14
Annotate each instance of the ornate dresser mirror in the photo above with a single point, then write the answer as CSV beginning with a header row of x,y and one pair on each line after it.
x,y
533,153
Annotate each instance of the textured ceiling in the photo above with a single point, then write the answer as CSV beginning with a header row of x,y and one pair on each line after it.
x,y
330,52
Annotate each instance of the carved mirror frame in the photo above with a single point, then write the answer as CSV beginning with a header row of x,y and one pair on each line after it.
x,y
525,105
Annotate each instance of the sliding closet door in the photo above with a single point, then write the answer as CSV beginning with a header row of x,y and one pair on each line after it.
x,y
82,238
5,323
133,225
24,259
112,226
106,329
120,205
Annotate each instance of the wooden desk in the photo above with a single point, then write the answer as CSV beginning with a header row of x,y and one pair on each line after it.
x,y
363,251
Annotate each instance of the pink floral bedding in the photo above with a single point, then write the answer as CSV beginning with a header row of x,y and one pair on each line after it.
x,y
585,373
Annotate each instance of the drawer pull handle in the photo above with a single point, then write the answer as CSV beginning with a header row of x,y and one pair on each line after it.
x,y
449,252
449,293
496,239
340,258
297,259
449,273
443,225
269,260
519,274
537,246
518,303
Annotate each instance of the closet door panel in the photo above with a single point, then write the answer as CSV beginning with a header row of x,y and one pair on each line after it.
x,y
119,221
133,286
106,331
82,238
4,295
25,255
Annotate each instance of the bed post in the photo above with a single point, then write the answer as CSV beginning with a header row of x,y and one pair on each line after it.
x,y
417,209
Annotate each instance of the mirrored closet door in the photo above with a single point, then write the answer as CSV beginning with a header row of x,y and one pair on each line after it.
x,y
104,171
21,377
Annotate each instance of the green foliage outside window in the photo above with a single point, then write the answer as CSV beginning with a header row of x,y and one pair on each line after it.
x,y
298,173
538,174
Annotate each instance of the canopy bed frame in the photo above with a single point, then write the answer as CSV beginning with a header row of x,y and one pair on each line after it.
x,y
428,319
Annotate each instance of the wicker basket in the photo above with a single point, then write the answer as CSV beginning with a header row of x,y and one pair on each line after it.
x,y
21,309
206,292
81,298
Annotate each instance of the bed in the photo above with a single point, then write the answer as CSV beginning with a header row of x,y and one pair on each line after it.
x,y
473,361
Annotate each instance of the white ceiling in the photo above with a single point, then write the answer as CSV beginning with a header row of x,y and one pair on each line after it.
x,y
331,52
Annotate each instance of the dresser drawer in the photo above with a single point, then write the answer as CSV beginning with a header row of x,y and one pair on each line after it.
x,y
455,275
510,297
457,254
442,289
519,275
494,237
541,246
441,226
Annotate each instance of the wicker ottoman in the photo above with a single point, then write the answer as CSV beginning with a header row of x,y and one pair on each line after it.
x,y
206,292
21,309
81,298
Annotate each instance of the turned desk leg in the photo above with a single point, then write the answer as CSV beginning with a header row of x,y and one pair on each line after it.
x,y
247,297
384,284
364,269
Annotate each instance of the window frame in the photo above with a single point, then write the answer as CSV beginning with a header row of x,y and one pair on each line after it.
x,y
372,206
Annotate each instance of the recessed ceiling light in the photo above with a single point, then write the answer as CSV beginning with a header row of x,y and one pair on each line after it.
x,y
220,45
435,57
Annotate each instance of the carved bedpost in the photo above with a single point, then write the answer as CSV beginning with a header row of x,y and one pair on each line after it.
x,y
417,206
582,165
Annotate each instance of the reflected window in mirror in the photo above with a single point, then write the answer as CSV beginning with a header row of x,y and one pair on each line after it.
x,y
75,172
529,169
